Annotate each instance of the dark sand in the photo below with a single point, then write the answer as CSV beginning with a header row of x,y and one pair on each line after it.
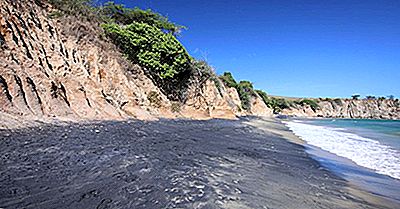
x,y
167,164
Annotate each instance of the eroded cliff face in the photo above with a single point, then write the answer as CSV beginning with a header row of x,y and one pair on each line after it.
x,y
209,101
259,108
350,108
63,68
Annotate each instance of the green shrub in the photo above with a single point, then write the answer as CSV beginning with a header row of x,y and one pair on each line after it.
x,y
246,92
202,69
313,104
162,54
228,80
165,59
154,99
126,16
277,104
263,96
175,107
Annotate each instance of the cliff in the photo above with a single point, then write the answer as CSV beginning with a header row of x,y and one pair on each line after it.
x,y
349,108
65,68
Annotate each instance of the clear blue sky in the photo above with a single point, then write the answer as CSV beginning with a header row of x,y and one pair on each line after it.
x,y
305,48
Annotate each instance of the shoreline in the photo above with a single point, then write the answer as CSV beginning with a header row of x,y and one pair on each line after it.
x,y
246,163
354,185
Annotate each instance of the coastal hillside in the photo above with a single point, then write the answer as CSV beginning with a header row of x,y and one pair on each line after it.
x,y
71,60
372,108
55,63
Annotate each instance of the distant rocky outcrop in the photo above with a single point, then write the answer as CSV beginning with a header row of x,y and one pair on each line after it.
x,y
349,108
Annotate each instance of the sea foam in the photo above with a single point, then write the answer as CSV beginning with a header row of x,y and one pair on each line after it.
x,y
363,151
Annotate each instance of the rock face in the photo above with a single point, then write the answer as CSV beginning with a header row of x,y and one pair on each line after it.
x,y
63,68
212,102
259,108
350,108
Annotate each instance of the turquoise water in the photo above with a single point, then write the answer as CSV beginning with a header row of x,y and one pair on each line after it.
x,y
385,131
365,152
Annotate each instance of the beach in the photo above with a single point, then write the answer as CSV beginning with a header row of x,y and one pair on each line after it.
x,y
246,163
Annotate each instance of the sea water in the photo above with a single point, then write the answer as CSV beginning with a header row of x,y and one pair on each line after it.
x,y
363,151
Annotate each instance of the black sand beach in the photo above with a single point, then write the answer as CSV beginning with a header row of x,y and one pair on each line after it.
x,y
167,164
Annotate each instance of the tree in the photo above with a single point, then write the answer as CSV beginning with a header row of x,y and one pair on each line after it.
x,y
355,96
370,97
391,97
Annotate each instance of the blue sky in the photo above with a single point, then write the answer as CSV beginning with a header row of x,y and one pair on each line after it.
x,y
304,48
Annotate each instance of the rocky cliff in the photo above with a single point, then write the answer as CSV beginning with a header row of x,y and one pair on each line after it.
x,y
349,108
65,68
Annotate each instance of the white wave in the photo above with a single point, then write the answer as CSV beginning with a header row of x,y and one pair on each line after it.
x,y
363,151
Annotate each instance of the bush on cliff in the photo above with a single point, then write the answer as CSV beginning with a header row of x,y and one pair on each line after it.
x,y
276,104
246,92
162,54
313,104
228,80
264,97
165,59
204,72
119,14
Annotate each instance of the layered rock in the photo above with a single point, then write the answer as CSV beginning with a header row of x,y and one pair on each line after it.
x,y
63,69
210,101
349,108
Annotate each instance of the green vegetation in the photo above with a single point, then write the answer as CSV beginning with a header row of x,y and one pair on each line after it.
x,y
175,107
149,39
202,69
245,91
276,104
145,37
154,99
355,96
162,54
119,14
228,80
263,96
205,72
312,103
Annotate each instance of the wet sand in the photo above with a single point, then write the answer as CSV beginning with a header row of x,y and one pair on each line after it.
x,y
249,163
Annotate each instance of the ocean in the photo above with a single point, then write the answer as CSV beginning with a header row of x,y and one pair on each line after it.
x,y
365,152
